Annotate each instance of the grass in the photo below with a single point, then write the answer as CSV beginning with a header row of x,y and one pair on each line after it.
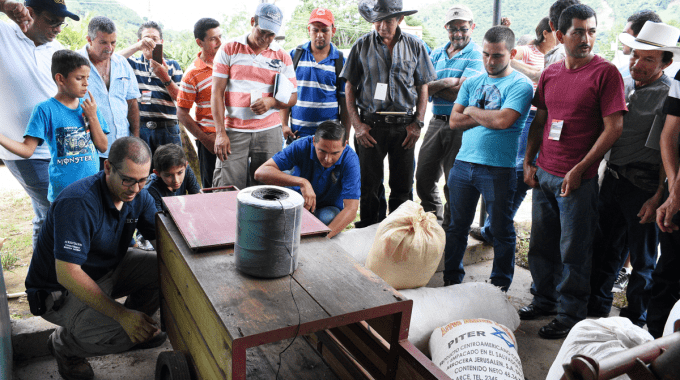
x,y
523,231
16,214
8,260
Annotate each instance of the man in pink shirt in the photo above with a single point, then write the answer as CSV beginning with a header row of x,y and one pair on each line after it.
x,y
580,104
243,89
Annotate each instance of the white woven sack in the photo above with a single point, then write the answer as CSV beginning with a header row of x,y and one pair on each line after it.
x,y
435,307
598,339
407,248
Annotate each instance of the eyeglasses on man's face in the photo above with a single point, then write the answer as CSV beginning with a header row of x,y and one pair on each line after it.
x,y
128,181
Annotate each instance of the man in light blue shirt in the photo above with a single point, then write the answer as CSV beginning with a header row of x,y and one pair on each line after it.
x,y
112,82
26,47
454,62
492,109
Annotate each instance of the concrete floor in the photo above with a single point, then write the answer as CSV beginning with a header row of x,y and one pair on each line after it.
x,y
536,354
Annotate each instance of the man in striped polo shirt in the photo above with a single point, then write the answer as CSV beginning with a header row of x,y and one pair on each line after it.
x,y
159,85
245,72
321,93
196,88
457,60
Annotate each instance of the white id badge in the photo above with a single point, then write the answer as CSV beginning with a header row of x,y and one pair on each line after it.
x,y
254,95
381,91
146,97
556,129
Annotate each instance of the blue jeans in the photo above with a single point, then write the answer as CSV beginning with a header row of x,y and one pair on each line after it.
x,y
34,176
496,185
618,205
560,250
327,214
160,136
517,198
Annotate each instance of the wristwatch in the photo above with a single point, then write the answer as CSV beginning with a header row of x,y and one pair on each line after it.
x,y
166,84
420,123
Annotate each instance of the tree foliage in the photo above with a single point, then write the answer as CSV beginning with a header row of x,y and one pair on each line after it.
x,y
526,14
348,22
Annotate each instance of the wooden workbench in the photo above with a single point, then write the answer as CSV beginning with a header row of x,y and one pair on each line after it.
x,y
213,313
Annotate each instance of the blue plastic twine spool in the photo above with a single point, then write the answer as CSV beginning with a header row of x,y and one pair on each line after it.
x,y
269,220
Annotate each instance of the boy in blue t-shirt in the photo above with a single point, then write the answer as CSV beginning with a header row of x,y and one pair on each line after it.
x,y
71,125
171,176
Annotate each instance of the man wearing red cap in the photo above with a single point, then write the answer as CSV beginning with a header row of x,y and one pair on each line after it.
x,y
321,92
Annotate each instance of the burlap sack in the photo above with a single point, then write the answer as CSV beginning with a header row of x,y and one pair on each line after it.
x,y
407,248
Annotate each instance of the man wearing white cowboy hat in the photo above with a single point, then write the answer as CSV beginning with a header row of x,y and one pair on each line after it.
x,y
633,184
387,74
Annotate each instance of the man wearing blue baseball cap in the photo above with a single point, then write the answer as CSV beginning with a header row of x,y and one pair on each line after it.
x,y
245,101
26,48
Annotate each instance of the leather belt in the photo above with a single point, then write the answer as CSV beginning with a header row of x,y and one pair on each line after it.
x,y
442,117
158,124
387,119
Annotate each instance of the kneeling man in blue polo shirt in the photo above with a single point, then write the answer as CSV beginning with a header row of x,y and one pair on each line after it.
x,y
82,264
325,170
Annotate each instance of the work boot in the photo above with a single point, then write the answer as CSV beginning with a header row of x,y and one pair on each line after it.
x,y
153,342
71,368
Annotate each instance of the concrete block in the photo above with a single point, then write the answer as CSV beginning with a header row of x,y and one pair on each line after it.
x,y
29,337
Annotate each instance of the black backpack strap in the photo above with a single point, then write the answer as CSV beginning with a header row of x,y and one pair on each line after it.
x,y
297,56
338,66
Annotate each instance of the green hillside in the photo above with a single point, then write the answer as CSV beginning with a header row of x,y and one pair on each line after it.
x,y
123,16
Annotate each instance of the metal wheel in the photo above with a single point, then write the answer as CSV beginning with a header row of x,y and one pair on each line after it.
x,y
172,365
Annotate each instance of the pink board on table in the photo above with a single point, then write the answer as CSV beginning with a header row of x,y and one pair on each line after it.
x,y
208,221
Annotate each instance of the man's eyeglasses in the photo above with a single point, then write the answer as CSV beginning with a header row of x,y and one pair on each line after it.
x,y
456,30
127,181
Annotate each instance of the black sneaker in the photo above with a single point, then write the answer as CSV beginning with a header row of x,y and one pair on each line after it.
x,y
476,233
532,311
621,281
71,368
554,330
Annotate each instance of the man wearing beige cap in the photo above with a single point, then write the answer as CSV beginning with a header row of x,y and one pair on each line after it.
x,y
457,60
633,185
321,91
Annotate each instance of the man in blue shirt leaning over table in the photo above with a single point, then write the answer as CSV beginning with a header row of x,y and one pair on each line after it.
x,y
326,174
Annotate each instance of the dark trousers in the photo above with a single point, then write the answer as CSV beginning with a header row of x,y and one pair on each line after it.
x,y
206,161
389,138
619,203
437,154
666,288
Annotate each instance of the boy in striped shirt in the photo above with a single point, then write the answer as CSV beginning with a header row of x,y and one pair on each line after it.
x,y
244,100
196,87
